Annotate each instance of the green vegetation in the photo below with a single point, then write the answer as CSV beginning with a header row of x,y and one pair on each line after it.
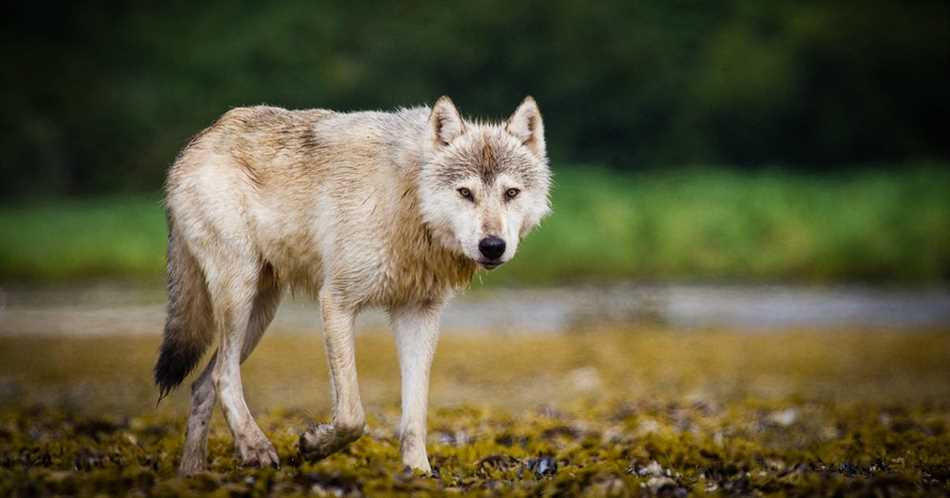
x,y
687,224
114,237
625,413
103,98
730,225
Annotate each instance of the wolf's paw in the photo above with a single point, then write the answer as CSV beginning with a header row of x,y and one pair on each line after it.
x,y
418,464
413,449
257,452
321,441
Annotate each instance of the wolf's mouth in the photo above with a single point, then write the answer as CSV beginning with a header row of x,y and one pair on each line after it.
x,y
490,265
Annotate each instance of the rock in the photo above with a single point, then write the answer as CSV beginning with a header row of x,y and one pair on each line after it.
x,y
543,466
665,486
652,469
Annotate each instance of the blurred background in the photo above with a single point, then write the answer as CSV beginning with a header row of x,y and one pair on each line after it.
x,y
792,145
736,141
694,144
747,263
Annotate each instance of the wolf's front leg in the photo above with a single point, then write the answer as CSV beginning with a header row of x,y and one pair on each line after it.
x,y
417,333
348,420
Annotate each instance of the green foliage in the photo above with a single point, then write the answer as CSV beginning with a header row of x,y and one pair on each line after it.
x,y
703,223
116,237
721,224
104,96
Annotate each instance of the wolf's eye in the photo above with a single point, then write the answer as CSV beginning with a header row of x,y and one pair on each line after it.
x,y
466,194
511,193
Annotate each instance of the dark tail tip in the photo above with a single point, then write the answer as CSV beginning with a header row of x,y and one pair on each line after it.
x,y
175,362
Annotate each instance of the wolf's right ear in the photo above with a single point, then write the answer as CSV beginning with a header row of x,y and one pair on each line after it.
x,y
445,122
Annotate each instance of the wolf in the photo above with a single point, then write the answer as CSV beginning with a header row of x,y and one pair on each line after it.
x,y
362,209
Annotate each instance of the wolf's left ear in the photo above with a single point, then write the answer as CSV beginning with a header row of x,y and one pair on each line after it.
x,y
445,122
526,125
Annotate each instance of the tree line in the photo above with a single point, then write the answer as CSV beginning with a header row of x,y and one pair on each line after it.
x,y
101,95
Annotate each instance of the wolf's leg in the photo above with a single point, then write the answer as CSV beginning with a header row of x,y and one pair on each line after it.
x,y
417,332
233,292
348,420
265,306
195,455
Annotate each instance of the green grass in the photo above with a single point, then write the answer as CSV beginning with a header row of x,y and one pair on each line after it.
x,y
719,224
619,413
115,237
705,224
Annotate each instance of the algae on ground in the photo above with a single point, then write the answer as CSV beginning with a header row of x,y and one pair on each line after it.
x,y
600,414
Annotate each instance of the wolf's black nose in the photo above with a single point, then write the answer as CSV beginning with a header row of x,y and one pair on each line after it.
x,y
492,247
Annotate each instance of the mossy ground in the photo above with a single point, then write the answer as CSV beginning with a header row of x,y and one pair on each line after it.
x,y
619,413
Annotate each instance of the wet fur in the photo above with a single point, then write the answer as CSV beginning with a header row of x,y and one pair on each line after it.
x,y
358,209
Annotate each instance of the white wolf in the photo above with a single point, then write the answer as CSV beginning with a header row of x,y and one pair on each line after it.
x,y
361,209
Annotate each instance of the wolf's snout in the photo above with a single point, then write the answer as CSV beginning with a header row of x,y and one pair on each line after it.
x,y
492,247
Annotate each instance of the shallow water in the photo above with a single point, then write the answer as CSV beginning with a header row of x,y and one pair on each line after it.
x,y
111,308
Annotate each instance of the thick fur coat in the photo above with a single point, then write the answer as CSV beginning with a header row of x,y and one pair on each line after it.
x,y
361,209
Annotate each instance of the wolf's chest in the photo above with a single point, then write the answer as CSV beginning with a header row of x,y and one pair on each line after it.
x,y
403,278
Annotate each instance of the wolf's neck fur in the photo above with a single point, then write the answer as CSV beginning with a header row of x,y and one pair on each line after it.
x,y
419,265
424,252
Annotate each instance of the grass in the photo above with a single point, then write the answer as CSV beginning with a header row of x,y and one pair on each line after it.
x,y
615,413
707,224
73,240
716,224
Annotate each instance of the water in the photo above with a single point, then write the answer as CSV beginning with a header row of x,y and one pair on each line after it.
x,y
109,308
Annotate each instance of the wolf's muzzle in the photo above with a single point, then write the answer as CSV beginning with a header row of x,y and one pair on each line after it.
x,y
492,247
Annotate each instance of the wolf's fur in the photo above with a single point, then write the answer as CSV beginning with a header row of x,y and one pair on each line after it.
x,y
360,209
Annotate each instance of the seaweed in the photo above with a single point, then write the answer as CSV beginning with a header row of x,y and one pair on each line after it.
x,y
799,414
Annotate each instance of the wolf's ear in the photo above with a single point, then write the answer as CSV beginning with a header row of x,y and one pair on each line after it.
x,y
526,125
445,122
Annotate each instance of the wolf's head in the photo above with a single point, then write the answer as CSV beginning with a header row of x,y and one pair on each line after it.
x,y
484,186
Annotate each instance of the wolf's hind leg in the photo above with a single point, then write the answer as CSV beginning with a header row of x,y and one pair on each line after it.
x,y
233,286
417,332
348,419
265,306
195,454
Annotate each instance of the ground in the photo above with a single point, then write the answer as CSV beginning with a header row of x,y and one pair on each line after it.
x,y
601,413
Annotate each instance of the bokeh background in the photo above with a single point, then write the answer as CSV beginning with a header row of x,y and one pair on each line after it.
x,y
736,140
743,287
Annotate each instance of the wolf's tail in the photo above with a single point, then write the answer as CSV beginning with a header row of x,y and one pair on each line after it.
x,y
189,327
